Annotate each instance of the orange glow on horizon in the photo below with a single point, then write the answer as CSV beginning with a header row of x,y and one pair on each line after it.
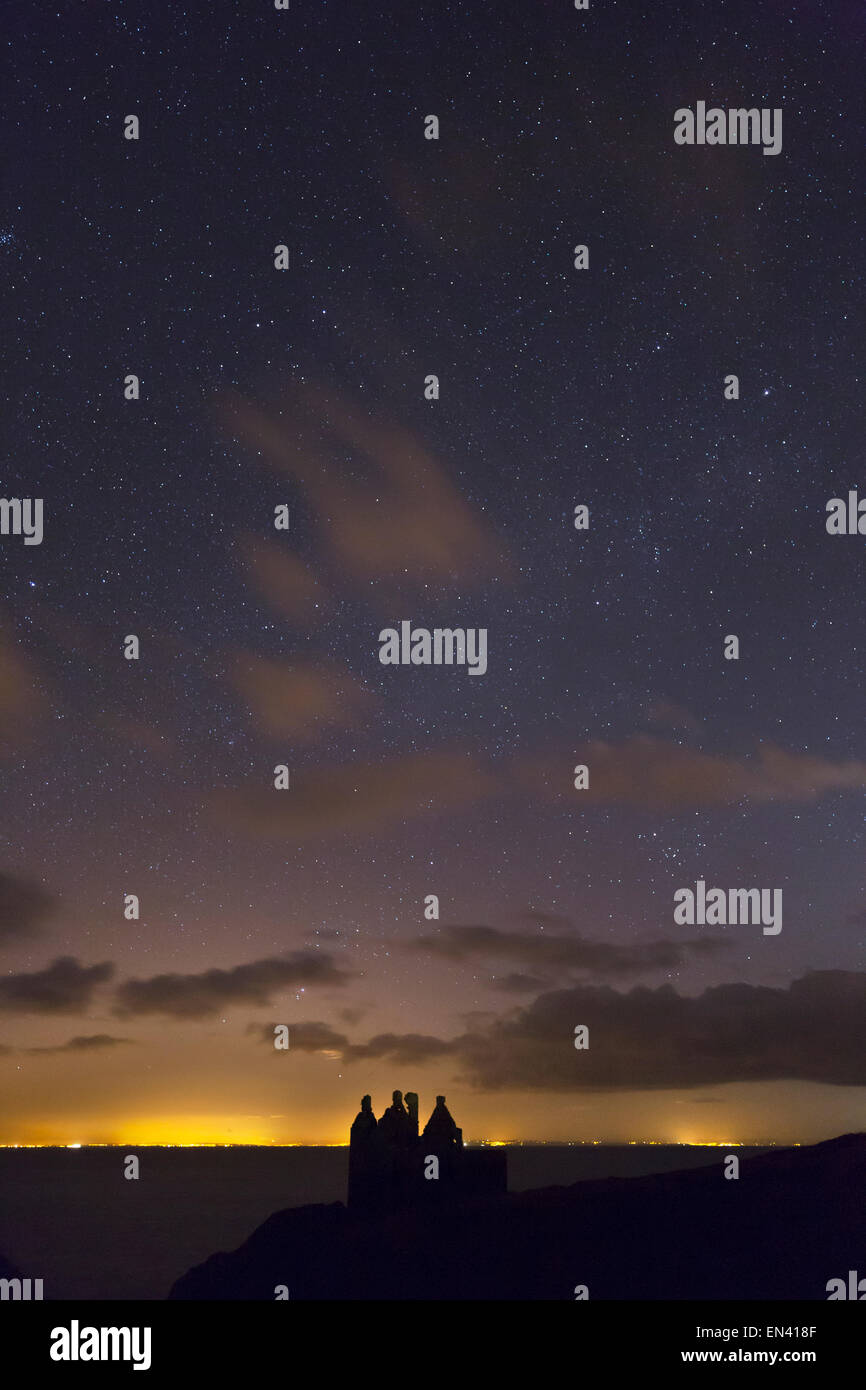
x,y
175,1131
187,1130
209,1132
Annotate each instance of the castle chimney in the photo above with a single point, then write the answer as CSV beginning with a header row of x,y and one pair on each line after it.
x,y
412,1107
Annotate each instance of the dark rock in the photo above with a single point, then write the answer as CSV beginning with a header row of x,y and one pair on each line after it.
x,y
794,1219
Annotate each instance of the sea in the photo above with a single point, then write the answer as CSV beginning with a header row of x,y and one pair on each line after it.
x,y
68,1216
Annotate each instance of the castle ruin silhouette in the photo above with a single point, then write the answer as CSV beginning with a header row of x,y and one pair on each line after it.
x,y
391,1164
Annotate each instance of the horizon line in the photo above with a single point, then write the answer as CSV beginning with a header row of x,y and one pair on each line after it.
x,y
479,1143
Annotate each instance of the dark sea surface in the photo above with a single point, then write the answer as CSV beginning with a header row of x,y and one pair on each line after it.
x,y
70,1218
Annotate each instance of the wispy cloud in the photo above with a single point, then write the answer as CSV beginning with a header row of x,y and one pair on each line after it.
x,y
23,701
301,700
24,906
550,954
64,987
394,513
356,796
202,995
657,774
285,580
93,1042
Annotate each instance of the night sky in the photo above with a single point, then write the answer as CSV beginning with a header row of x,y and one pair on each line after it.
x,y
304,388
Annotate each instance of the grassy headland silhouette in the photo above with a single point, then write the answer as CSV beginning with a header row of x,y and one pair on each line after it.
x,y
427,1218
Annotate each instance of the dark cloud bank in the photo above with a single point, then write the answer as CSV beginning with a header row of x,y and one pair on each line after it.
x,y
646,1039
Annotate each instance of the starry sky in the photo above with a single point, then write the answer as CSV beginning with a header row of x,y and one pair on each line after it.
x,y
259,647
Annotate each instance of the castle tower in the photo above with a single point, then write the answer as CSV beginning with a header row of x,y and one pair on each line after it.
x,y
412,1107
368,1179
440,1129
395,1125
